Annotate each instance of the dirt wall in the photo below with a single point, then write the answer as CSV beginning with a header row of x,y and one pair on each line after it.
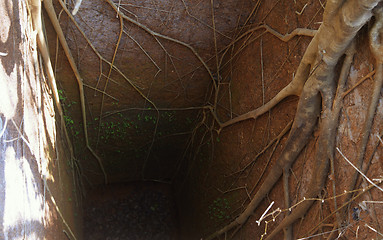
x,y
39,193
232,163
148,95
153,69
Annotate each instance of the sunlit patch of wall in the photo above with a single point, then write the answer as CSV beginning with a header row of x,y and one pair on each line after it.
x,y
37,179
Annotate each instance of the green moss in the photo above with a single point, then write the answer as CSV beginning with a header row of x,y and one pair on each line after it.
x,y
69,122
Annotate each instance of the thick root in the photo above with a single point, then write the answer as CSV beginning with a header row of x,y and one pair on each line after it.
x,y
377,51
342,22
326,143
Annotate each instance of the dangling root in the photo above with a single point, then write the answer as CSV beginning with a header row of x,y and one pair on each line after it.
x,y
52,15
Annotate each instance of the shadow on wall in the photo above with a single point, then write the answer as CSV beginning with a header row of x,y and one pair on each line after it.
x,y
27,132
21,196
22,202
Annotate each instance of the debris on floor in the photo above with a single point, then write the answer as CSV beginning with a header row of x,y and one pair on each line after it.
x,y
131,211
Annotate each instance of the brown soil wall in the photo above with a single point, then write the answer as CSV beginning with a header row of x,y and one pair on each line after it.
x,y
148,101
40,194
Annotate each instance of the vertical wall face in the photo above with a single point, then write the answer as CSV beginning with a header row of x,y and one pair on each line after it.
x,y
231,166
134,140
37,191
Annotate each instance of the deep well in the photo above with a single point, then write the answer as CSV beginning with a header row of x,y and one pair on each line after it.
x,y
172,119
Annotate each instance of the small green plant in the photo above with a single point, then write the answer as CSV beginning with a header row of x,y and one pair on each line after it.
x,y
114,130
66,104
61,96
218,210
68,120
169,116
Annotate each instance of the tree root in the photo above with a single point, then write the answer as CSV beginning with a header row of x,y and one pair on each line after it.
x,y
377,51
288,230
52,15
109,73
267,29
103,59
156,34
361,192
341,24
305,121
275,141
37,25
326,144
294,87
